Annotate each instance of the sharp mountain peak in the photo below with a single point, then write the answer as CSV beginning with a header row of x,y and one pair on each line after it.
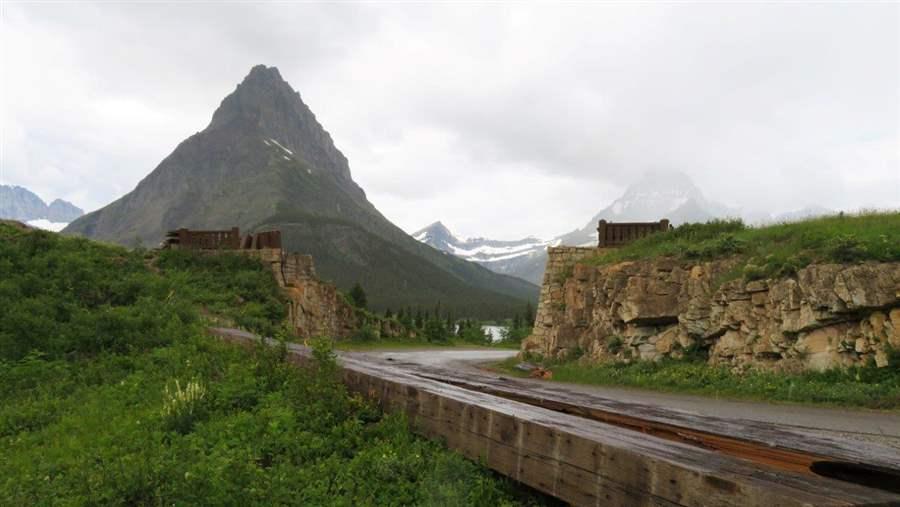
x,y
266,105
265,160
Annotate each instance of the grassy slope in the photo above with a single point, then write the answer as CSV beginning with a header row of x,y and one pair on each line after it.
x,y
777,250
92,343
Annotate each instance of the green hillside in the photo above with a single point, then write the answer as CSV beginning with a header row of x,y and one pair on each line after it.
x,y
110,393
265,162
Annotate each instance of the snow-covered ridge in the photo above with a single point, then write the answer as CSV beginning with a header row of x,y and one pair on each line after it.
x,y
487,250
480,250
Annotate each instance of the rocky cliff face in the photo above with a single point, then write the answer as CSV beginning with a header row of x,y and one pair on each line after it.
x,y
317,308
828,315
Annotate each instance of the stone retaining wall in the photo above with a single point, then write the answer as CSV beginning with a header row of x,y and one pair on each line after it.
x,y
560,262
827,315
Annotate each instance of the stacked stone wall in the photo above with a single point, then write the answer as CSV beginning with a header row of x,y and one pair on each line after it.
x,y
826,315
560,263
298,267
315,308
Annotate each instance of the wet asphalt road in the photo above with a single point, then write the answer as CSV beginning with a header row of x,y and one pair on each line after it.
x,y
877,426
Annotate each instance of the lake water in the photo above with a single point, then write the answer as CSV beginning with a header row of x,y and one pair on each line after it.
x,y
495,332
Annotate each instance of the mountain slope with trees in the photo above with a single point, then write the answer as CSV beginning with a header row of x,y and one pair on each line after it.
x,y
265,162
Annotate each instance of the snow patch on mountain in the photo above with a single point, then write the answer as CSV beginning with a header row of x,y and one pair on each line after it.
x,y
280,146
42,223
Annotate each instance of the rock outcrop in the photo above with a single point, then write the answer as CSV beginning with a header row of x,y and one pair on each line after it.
x,y
316,308
827,315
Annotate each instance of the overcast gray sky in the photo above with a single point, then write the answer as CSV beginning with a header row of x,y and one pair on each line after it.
x,y
502,120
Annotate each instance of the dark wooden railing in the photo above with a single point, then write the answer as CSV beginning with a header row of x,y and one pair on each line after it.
x,y
205,240
221,240
612,234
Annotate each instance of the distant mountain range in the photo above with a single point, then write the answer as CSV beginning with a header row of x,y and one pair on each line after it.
x,y
655,196
19,203
265,162
524,258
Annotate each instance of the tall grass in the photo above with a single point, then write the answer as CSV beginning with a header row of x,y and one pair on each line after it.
x,y
862,386
774,250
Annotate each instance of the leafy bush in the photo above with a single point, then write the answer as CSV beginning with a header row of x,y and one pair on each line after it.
x,y
846,248
472,332
365,334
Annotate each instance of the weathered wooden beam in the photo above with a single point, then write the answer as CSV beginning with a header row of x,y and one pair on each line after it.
x,y
771,442
581,460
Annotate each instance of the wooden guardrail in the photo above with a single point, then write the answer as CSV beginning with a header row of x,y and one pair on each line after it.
x,y
613,234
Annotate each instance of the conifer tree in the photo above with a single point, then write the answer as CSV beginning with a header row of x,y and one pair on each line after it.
x,y
358,296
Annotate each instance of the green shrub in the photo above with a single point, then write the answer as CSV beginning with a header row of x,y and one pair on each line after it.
x,y
472,332
365,334
847,248
754,272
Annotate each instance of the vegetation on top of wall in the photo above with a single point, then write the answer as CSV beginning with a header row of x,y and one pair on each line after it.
x,y
111,394
70,296
774,250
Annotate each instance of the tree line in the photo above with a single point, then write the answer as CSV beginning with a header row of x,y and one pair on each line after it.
x,y
439,325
